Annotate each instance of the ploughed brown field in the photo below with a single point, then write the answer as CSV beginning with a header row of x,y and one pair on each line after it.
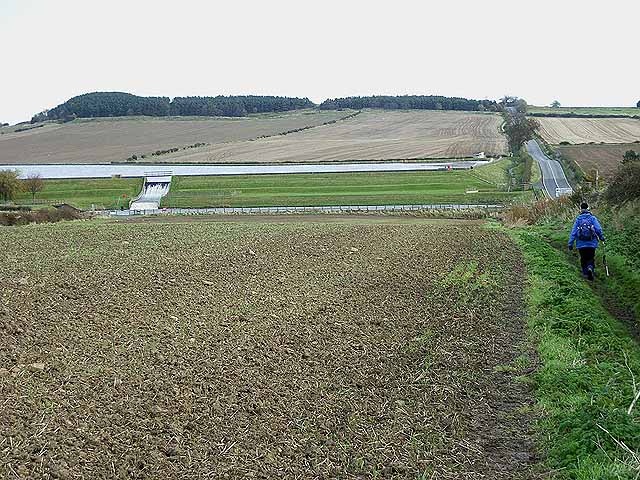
x,y
371,135
604,158
586,130
249,350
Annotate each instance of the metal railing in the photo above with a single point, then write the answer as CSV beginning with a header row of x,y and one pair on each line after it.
x,y
306,209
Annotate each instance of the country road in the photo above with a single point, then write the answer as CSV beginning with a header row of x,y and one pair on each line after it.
x,y
553,176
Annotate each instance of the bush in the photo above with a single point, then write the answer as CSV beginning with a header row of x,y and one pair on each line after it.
x,y
45,215
625,186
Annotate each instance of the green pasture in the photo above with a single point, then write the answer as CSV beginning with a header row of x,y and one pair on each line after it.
x,y
388,188
83,193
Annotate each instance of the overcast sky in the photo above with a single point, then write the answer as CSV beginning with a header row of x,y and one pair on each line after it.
x,y
580,52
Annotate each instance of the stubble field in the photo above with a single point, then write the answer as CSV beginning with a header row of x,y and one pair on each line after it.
x,y
371,135
228,350
587,130
107,140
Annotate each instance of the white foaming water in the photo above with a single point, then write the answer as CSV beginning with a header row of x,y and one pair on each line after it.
x,y
150,198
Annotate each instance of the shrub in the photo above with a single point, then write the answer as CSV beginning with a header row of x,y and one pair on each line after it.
x,y
45,215
625,186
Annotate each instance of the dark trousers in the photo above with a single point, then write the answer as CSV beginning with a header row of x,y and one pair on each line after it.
x,y
587,259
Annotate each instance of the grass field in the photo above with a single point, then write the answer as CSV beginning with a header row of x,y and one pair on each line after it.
x,y
587,130
115,139
386,188
103,193
629,111
372,135
209,350
337,189
495,173
604,158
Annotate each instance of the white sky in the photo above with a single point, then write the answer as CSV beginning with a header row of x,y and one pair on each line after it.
x,y
580,52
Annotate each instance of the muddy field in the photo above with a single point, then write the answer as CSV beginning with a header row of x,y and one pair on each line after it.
x,y
605,158
248,350
372,135
586,130
114,140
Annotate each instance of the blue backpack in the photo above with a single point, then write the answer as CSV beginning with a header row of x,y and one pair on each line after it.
x,y
586,230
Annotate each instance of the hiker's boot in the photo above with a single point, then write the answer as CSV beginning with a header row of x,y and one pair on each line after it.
x,y
590,273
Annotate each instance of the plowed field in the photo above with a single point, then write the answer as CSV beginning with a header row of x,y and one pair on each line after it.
x,y
221,350
586,130
604,158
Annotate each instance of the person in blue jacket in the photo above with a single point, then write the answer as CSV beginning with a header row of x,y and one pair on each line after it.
x,y
586,233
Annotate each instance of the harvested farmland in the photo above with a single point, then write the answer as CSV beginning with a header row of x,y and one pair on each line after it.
x,y
116,139
604,158
372,135
587,130
226,350
613,111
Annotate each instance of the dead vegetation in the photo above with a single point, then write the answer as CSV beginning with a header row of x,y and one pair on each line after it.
x,y
221,350
563,208
43,215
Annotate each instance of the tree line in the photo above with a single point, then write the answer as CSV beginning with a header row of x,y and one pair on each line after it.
x,y
410,102
119,104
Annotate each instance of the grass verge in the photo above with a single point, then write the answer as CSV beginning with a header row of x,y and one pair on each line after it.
x,y
589,369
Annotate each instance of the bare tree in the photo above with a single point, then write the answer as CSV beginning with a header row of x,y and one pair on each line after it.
x,y
33,184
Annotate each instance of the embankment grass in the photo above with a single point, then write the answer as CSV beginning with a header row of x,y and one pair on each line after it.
x,y
336,189
590,365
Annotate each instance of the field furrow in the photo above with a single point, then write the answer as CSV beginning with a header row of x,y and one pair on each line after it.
x,y
274,351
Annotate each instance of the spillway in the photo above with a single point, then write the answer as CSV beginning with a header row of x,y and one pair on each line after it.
x,y
155,187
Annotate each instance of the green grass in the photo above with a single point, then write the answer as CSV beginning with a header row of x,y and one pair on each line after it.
x,y
335,189
630,111
495,173
83,193
536,173
584,384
